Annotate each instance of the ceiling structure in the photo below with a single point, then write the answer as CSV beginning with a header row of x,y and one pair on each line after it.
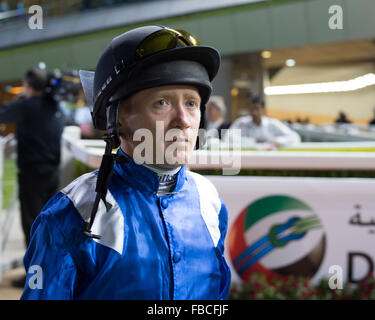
x,y
325,53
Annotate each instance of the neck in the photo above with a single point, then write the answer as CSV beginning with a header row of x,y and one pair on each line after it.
x,y
257,121
167,178
163,170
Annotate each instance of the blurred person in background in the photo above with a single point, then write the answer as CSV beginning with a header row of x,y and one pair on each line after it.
x,y
372,121
4,6
342,118
39,129
215,116
258,129
215,119
82,118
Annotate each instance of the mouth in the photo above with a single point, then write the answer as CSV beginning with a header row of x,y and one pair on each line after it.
x,y
176,139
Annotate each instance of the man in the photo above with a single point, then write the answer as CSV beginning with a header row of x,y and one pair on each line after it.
x,y
259,129
215,114
372,121
39,129
342,118
148,230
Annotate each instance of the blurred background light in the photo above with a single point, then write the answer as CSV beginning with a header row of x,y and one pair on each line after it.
x,y
266,54
290,63
324,87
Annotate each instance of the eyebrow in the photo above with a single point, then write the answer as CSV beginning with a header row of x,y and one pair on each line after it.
x,y
170,95
192,96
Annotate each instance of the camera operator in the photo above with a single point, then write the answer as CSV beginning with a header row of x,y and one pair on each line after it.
x,y
39,129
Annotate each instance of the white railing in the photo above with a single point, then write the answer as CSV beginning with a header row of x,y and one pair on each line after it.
x,y
90,153
335,132
8,215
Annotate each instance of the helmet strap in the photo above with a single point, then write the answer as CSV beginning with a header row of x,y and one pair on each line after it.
x,y
112,124
106,167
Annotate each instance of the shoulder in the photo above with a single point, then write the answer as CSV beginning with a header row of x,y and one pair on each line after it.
x,y
211,206
81,193
62,211
109,220
15,105
83,184
242,120
280,126
63,217
202,183
274,121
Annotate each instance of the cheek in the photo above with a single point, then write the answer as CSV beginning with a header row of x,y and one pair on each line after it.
x,y
135,121
129,121
196,119
195,128
127,126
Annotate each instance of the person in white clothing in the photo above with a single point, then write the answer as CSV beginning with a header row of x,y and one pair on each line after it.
x,y
215,122
261,132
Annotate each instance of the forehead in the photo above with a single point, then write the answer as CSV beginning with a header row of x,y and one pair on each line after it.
x,y
255,105
171,90
212,105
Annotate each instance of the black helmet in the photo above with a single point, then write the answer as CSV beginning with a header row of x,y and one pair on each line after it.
x,y
147,57
139,59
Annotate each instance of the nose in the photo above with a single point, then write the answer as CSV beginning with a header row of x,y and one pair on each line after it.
x,y
182,117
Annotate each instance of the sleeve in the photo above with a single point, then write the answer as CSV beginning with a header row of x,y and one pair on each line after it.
x,y
284,135
12,111
225,271
50,269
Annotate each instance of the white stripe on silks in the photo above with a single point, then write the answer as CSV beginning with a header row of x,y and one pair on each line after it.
x,y
109,225
210,204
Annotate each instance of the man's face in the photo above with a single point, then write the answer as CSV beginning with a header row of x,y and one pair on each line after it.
x,y
256,112
213,113
27,91
167,117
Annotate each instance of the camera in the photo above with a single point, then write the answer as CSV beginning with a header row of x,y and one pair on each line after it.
x,y
63,85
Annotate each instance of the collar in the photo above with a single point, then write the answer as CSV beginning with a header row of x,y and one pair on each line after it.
x,y
263,122
140,177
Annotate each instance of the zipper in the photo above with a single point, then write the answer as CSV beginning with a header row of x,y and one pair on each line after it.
x,y
171,288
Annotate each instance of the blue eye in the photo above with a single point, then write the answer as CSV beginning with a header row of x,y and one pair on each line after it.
x,y
160,103
192,103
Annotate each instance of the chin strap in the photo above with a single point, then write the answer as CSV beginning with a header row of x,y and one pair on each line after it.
x,y
106,167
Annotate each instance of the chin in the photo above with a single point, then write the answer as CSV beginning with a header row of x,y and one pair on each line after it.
x,y
178,158
178,153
